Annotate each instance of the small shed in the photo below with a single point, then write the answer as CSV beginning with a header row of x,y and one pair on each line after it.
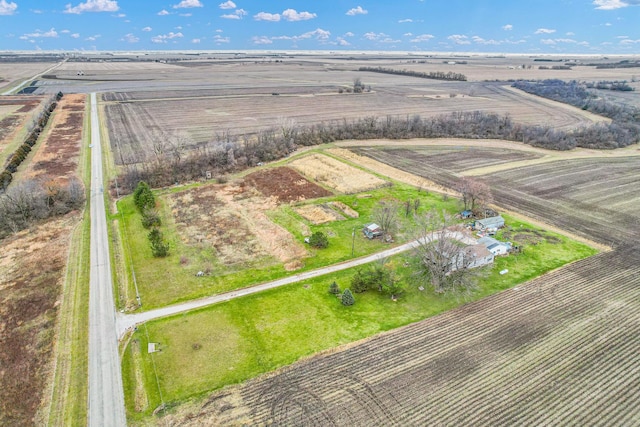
x,y
466,214
487,224
372,230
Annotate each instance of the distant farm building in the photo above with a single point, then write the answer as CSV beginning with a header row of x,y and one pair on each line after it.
x,y
494,246
489,224
372,231
466,214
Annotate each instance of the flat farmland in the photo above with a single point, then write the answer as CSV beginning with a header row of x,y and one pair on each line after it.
x,y
32,271
561,349
595,198
58,155
14,71
450,158
246,99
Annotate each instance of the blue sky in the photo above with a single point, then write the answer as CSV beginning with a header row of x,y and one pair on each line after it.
x,y
500,26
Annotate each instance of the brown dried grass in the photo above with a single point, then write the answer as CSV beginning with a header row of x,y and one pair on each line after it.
x,y
335,174
318,214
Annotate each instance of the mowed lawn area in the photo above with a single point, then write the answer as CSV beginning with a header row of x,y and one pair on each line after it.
x,y
163,281
207,349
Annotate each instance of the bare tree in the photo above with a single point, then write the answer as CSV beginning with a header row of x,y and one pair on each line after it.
x,y
475,194
385,214
441,259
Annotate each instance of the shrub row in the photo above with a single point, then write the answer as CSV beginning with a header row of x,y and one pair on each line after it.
x,y
436,75
16,159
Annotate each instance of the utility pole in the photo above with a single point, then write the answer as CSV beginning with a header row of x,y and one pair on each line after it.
x,y
353,240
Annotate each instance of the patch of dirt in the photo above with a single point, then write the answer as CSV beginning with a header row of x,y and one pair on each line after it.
x,y
335,174
319,214
285,184
32,265
232,219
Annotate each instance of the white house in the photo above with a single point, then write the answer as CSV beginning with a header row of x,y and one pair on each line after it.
x,y
494,246
472,256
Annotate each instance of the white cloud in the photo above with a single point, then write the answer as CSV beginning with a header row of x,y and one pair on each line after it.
x,y
357,11
227,5
408,34
238,14
342,42
570,33
266,16
459,39
93,38
403,21
349,34
65,32
422,38
163,13
121,15
52,33
184,4
7,8
261,40
614,4
93,6
292,15
162,38
146,29
219,31
507,27
380,37
130,38
75,35
219,39
195,41
544,31
186,15
629,42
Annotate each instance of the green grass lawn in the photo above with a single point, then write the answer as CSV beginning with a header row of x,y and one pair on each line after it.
x,y
231,342
163,281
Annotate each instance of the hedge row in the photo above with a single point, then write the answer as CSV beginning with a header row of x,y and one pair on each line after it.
x,y
22,152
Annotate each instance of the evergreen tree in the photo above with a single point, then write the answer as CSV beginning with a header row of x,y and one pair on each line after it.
x,y
319,240
159,248
347,298
143,197
334,289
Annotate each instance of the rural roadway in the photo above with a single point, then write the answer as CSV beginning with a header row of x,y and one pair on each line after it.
x,y
106,394
128,321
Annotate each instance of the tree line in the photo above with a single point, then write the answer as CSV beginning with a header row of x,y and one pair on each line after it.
x,y
230,153
624,129
26,203
436,75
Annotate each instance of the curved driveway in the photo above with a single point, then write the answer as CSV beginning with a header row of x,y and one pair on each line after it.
x,y
127,321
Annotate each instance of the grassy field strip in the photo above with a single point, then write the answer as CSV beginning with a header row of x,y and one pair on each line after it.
x,y
69,391
127,321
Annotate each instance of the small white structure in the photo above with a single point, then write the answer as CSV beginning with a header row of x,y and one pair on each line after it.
x,y
494,246
152,347
372,231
